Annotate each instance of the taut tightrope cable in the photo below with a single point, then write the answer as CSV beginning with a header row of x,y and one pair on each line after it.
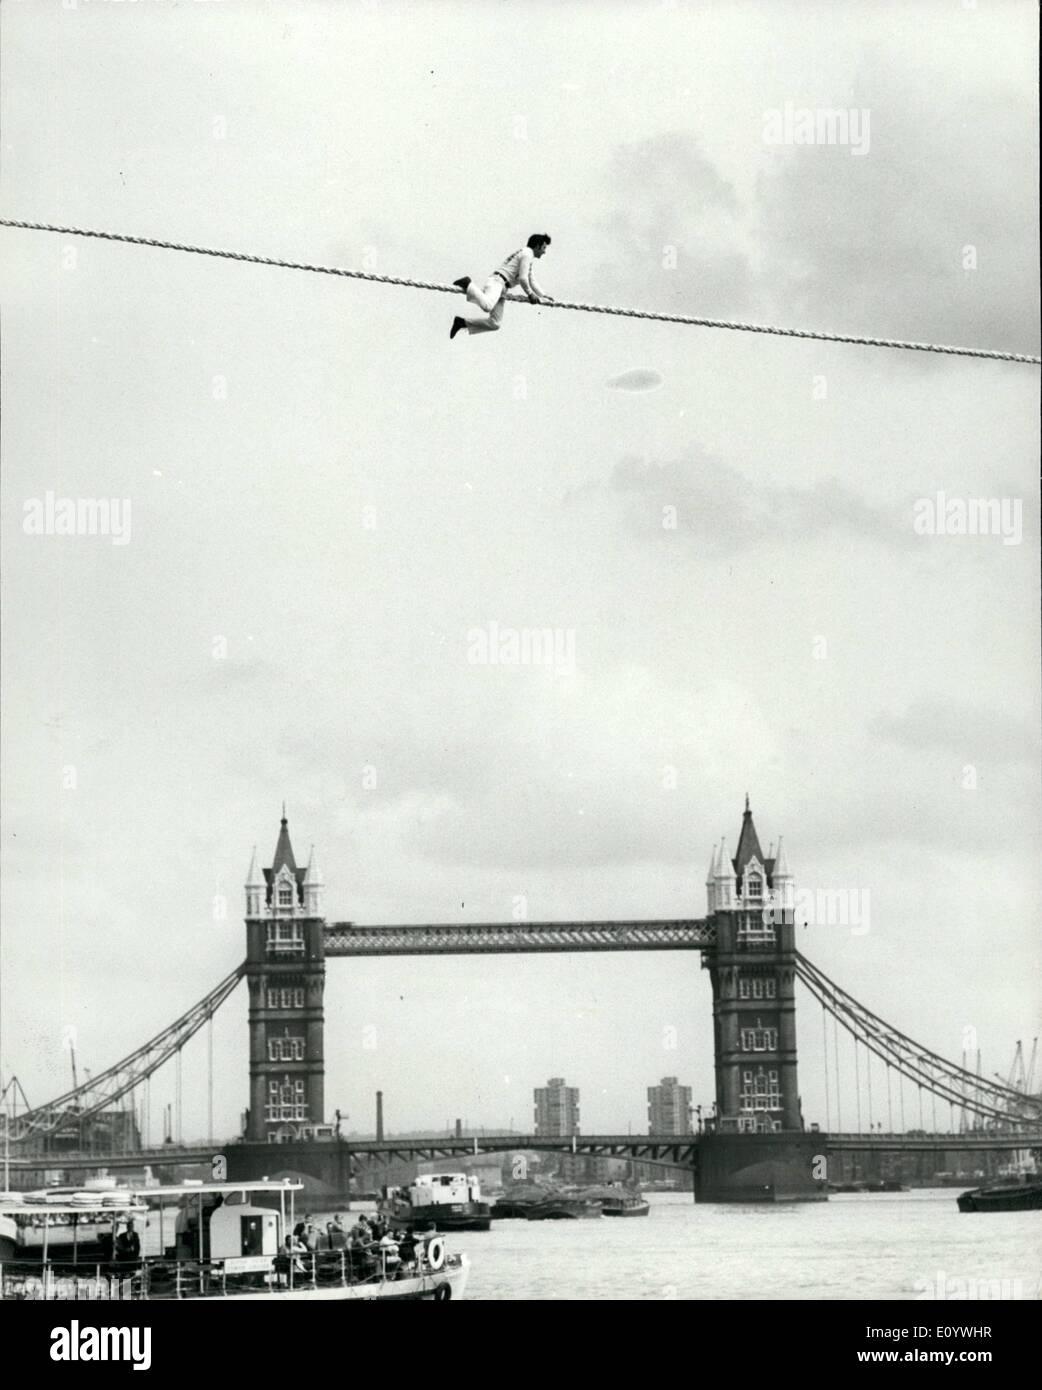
x,y
615,310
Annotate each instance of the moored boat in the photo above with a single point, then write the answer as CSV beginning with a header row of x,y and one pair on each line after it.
x,y
559,1208
511,1208
1020,1196
518,1199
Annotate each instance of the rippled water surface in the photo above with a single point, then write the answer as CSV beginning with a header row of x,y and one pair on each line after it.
x,y
905,1245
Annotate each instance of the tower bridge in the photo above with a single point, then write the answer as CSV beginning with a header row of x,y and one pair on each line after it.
x,y
747,939
756,1139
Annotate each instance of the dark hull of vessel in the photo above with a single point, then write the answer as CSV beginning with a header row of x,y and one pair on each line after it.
x,y
625,1209
510,1210
1025,1198
466,1216
882,1185
562,1211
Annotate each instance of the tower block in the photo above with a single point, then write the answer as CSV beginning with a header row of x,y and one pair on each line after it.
x,y
286,974
753,971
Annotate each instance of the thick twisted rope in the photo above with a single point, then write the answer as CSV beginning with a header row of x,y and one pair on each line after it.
x,y
438,288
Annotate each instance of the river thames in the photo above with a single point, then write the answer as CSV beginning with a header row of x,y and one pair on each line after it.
x,y
907,1245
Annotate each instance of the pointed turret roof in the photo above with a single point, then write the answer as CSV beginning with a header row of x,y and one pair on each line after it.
x,y
749,845
724,868
284,859
254,879
313,874
713,861
283,850
781,863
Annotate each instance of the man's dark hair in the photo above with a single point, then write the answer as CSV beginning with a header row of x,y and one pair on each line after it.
x,y
538,239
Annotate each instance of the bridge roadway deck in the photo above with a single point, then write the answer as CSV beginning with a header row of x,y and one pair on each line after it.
x,y
662,1148
492,938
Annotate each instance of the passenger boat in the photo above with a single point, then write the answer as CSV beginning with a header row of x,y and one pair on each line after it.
x,y
64,1222
437,1202
226,1240
1020,1196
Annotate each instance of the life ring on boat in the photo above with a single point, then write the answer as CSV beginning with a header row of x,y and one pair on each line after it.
x,y
443,1293
436,1257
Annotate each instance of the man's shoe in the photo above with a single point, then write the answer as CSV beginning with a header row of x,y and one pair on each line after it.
x,y
457,324
463,283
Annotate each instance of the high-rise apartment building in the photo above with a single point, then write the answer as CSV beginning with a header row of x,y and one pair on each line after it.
x,y
669,1107
556,1108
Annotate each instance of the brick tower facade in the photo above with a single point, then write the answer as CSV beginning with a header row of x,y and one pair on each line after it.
x,y
285,973
753,971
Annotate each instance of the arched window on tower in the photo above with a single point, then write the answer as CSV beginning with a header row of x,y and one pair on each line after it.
x,y
285,895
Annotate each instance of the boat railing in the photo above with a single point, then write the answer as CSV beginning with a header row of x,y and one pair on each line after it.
x,y
159,1278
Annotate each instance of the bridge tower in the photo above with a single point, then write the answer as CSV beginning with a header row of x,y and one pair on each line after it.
x,y
751,900
285,973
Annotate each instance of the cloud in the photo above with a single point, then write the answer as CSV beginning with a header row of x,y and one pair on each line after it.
x,y
725,510
925,237
673,238
638,379
967,730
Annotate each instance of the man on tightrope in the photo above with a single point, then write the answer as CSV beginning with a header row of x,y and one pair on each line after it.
x,y
515,270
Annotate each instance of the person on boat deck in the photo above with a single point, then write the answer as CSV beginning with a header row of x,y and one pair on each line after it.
x,y
515,270
363,1249
407,1248
128,1244
390,1254
291,1250
423,1239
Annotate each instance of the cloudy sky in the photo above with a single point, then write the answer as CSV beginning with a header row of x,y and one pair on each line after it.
x,y
328,499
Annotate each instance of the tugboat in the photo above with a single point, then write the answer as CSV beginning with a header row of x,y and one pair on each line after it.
x,y
439,1202
1025,1195
623,1201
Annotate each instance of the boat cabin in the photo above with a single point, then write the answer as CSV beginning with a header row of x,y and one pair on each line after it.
x,y
443,1189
